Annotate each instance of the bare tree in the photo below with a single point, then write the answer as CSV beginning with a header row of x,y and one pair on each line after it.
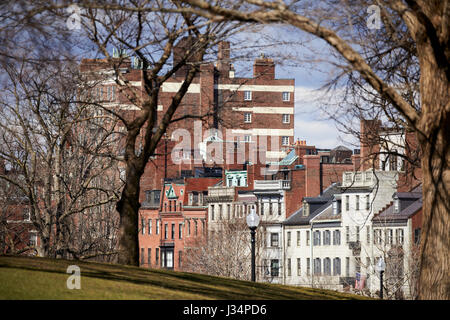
x,y
45,146
426,25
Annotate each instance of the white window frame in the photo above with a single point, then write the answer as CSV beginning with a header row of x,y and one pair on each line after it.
x,y
247,117
247,96
286,118
286,96
247,138
283,141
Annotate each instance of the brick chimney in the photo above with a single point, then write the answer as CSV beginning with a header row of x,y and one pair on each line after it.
x,y
369,142
185,46
264,68
223,59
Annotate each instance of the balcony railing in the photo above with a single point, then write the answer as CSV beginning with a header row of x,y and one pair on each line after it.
x,y
272,184
358,179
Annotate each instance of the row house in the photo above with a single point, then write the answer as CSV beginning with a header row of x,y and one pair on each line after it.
x,y
170,220
396,238
274,196
337,226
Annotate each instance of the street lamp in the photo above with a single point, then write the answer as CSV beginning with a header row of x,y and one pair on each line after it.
x,y
381,266
252,223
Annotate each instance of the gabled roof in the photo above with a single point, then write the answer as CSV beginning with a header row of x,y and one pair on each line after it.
x,y
410,204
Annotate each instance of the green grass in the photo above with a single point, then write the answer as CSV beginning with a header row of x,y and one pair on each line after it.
x,y
42,278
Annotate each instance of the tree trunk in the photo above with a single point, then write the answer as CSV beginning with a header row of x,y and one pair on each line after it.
x,y
128,208
434,278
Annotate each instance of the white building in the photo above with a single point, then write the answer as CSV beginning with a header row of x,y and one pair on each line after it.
x,y
337,231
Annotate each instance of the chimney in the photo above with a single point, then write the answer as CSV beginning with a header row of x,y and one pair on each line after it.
x,y
185,49
223,58
264,68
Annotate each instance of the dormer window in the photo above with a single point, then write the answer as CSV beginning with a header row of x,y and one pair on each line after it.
x,y
305,208
335,207
396,204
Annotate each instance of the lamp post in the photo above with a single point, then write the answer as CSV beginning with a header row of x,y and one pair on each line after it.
x,y
252,223
381,266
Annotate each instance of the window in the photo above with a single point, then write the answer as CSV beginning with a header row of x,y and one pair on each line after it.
x,y
142,256
326,237
157,256
393,161
316,238
274,239
286,96
336,237
289,267
357,233
270,208
228,211
308,266
357,202
317,266
180,259
347,267
157,226
149,226
143,226
288,238
284,141
247,117
307,237
347,234
299,267
327,266
377,236
196,227
189,227
167,258
220,212
368,202
32,242
149,257
347,203
166,231
286,118
247,95
247,138
274,267
389,237
298,238
337,266
173,231
212,212
417,235
279,207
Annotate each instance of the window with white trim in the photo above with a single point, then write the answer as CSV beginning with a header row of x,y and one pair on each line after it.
x,y
247,117
286,96
247,138
286,118
247,95
284,141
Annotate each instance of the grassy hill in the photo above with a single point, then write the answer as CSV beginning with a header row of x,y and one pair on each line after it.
x,y
42,278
